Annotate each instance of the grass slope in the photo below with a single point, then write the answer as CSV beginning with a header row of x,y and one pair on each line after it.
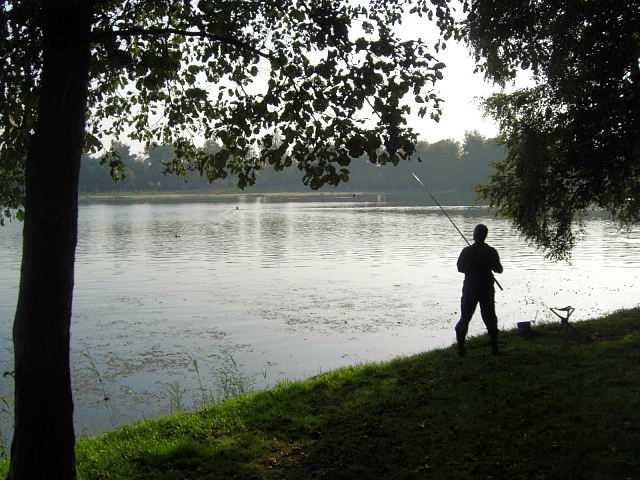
x,y
550,407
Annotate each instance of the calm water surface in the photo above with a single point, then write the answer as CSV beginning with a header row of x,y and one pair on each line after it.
x,y
288,288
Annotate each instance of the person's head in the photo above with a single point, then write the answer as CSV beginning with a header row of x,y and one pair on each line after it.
x,y
480,233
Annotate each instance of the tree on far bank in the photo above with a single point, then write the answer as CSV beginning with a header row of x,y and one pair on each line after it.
x,y
331,78
449,167
476,159
573,139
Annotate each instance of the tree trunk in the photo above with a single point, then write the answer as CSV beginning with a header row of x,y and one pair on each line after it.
x,y
43,441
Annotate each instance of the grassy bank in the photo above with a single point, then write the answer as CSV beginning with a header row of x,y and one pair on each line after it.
x,y
550,407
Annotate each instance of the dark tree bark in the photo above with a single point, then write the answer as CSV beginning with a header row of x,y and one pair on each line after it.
x,y
43,441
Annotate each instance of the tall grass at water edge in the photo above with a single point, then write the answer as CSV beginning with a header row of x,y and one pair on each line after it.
x,y
551,406
229,380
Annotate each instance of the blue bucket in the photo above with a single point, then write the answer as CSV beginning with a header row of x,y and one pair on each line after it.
x,y
524,326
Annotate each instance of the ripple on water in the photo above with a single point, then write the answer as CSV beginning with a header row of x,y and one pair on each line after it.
x,y
287,290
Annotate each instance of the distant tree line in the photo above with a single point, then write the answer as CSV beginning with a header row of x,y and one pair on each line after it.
x,y
448,168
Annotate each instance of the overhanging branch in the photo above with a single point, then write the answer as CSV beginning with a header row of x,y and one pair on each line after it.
x,y
131,32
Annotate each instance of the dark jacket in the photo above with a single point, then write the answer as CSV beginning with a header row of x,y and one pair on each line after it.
x,y
478,261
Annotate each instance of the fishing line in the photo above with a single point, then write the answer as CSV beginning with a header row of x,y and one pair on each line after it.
x,y
447,215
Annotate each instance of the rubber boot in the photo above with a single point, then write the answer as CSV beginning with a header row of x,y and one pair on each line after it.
x,y
493,337
460,338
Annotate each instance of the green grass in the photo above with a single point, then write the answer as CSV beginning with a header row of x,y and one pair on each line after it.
x,y
550,407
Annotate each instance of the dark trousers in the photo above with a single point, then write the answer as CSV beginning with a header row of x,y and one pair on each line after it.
x,y
474,292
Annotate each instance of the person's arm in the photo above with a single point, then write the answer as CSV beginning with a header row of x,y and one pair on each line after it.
x,y
462,261
497,266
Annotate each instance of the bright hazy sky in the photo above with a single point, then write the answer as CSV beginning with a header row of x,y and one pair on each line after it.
x,y
459,89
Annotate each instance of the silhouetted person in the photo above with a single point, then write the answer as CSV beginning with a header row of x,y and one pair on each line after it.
x,y
478,262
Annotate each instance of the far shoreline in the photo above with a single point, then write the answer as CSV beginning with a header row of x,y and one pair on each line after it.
x,y
196,196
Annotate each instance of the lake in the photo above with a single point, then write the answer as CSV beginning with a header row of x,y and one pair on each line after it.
x,y
285,288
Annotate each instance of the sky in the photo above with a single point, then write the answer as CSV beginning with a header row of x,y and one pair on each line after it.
x,y
460,89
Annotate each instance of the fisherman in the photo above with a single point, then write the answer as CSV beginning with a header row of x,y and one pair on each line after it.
x,y
477,262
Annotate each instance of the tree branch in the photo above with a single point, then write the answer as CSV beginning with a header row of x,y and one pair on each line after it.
x,y
101,35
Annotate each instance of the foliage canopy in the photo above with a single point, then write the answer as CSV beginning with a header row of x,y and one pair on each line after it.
x,y
572,140
276,82
279,82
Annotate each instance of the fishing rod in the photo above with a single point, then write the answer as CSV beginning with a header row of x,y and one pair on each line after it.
x,y
447,215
